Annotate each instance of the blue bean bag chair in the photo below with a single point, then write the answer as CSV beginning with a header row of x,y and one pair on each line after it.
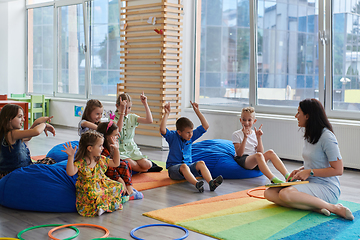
x,y
56,153
218,154
39,187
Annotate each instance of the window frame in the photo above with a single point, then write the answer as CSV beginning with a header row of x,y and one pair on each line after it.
x,y
325,66
56,4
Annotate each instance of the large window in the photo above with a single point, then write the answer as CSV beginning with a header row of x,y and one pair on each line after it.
x,y
74,49
346,55
40,50
287,57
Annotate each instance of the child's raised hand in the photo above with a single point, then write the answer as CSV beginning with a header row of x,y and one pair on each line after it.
x,y
258,132
115,142
246,132
143,98
167,108
49,128
195,105
69,150
122,106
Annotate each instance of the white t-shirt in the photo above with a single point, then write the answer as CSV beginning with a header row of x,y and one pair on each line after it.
x,y
251,142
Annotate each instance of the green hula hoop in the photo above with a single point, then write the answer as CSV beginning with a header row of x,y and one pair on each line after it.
x,y
48,225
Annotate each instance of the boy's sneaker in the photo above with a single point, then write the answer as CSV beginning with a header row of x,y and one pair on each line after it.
x,y
136,195
215,182
155,167
200,186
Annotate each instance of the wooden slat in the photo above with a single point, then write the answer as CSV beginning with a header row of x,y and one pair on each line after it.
x,y
171,10
141,51
142,45
150,80
139,40
142,57
143,68
152,68
147,11
165,74
148,127
160,38
173,5
172,22
142,17
156,98
149,28
140,74
154,134
144,6
139,85
142,62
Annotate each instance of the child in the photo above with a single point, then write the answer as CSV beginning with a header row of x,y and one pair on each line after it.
x,y
14,152
179,162
127,122
249,150
95,192
91,116
123,172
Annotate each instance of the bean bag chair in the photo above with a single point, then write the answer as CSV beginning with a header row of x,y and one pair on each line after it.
x,y
56,153
218,154
39,187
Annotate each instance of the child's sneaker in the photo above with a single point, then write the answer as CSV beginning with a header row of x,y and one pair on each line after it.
x,y
199,186
215,182
136,195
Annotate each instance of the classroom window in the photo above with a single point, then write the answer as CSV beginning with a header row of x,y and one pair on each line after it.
x,y
285,60
84,62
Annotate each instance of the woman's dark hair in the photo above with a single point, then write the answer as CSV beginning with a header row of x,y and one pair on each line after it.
x,y
90,106
106,131
7,113
88,138
317,119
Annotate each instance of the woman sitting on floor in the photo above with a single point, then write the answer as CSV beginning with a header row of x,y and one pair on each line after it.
x,y
322,166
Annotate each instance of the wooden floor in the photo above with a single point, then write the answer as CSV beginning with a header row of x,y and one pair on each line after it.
x,y
120,223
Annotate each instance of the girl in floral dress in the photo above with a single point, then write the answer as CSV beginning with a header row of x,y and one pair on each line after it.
x,y
95,192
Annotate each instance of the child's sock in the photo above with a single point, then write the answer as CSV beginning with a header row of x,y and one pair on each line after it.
x,y
124,199
100,211
199,186
136,195
215,182
286,177
276,180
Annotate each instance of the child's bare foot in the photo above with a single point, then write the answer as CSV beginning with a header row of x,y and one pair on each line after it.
x,y
343,212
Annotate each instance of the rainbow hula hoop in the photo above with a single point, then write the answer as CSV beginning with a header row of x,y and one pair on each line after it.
x,y
47,225
256,189
154,225
107,232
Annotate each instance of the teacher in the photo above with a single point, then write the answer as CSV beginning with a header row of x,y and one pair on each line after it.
x,y
322,166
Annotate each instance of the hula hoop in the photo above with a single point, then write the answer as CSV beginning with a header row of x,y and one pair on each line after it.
x,y
153,225
107,232
256,189
6,238
48,225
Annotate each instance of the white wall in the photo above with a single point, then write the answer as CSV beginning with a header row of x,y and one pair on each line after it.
x,y
12,47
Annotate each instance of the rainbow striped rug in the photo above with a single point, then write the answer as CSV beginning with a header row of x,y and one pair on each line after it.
x,y
238,216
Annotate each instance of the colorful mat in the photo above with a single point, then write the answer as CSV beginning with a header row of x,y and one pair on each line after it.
x,y
149,180
236,215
